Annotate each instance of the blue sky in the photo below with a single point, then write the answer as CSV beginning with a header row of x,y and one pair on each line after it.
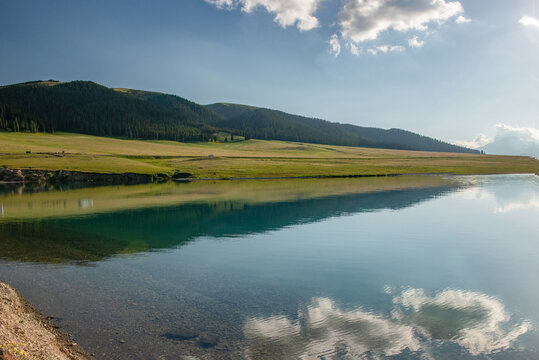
x,y
431,73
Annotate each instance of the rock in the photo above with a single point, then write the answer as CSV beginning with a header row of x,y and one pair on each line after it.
x,y
10,175
181,334
122,341
35,178
181,175
208,341
63,176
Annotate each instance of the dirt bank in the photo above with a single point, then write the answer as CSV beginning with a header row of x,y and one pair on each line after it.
x,y
63,176
21,323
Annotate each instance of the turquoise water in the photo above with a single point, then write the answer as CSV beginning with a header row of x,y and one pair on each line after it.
x,y
439,272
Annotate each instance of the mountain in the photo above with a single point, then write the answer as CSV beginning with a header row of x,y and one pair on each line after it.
x,y
260,123
89,108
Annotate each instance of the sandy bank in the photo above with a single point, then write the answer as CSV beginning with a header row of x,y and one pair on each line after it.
x,y
22,323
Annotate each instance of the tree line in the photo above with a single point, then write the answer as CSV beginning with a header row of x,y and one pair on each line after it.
x,y
89,108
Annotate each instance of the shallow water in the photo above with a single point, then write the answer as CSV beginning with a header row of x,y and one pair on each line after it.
x,y
402,268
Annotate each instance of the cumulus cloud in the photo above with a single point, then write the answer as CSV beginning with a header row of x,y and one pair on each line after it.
x,y
354,49
415,42
509,140
385,49
222,4
334,45
474,321
479,141
522,133
529,21
462,20
287,12
362,20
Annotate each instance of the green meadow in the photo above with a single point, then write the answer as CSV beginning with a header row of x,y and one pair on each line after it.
x,y
238,159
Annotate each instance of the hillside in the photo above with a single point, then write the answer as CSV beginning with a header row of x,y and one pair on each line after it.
x,y
89,108
260,123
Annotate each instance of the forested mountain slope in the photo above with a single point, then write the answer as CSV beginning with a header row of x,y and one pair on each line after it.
x,y
260,123
89,108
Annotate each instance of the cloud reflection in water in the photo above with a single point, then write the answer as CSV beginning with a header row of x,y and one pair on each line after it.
x,y
474,321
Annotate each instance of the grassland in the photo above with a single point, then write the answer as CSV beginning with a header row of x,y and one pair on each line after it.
x,y
241,159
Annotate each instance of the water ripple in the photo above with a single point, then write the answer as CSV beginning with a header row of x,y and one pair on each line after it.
x,y
477,323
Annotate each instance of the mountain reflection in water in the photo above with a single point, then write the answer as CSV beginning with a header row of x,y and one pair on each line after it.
x,y
96,237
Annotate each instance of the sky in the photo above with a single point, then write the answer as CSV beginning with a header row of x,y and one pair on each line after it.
x,y
461,71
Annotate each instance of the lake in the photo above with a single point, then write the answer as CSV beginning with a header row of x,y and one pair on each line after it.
x,y
408,267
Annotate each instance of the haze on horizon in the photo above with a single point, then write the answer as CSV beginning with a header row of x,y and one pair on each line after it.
x,y
461,71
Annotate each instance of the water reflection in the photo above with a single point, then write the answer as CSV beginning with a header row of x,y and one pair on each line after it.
x,y
86,203
475,321
417,323
98,236
510,192
326,245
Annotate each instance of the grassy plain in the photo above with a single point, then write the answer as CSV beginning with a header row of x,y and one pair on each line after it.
x,y
243,159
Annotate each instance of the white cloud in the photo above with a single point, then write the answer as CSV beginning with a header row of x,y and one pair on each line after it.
x,y
385,49
222,4
509,140
415,42
334,45
354,49
512,140
362,20
479,141
287,12
462,20
476,322
529,21
522,133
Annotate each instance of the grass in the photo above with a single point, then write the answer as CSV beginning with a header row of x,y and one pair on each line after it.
x,y
239,159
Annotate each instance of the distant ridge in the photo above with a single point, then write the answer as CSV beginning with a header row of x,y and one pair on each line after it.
x,y
261,123
89,108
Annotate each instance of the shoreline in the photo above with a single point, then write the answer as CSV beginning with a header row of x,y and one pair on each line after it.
x,y
44,177
347,176
22,323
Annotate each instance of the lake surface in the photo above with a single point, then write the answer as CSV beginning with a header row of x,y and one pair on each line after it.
x,y
398,268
